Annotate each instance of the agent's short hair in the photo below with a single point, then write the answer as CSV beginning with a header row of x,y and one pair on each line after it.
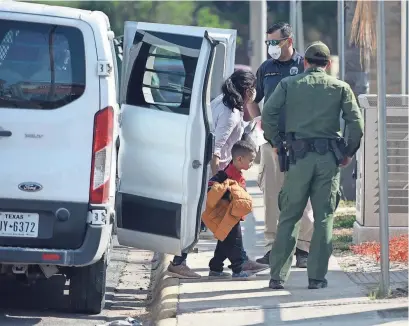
x,y
317,61
318,54
242,148
285,29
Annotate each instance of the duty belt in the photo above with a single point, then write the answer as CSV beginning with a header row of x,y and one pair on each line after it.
x,y
291,150
300,147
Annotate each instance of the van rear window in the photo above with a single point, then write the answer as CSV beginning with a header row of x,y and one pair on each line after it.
x,y
42,66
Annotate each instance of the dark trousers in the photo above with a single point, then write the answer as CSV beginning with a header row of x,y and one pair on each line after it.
x,y
231,248
179,260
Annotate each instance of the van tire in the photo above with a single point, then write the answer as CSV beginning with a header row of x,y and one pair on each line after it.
x,y
115,228
87,286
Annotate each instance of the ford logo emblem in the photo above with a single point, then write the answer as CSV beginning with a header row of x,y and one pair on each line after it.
x,y
30,186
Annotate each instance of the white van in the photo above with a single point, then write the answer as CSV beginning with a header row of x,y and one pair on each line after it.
x,y
66,129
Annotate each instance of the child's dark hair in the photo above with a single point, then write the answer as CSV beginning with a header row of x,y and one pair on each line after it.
x,y
242,148
235,87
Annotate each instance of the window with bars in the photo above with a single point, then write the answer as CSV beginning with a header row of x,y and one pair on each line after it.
x,y
42,66
163,71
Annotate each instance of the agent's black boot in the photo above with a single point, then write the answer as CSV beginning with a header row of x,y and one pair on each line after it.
x,y
316,284
276,285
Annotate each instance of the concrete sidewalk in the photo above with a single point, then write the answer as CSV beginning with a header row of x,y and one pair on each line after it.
x,y
234,303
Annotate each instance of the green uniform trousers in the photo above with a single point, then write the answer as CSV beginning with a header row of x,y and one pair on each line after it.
x,y
316,177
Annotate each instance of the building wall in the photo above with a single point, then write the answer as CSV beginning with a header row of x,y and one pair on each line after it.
x,y
393,15
405,46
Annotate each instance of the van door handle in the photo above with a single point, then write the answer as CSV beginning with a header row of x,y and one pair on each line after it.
x,y
5,133
196,164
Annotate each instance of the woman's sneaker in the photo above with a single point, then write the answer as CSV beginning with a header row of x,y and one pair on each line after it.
x,y
254,267
243,276
213,274
182,271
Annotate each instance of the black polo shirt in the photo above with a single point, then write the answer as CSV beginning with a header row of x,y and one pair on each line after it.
x,y
271,72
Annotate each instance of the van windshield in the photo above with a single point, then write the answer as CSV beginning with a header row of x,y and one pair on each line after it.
x,y
42,66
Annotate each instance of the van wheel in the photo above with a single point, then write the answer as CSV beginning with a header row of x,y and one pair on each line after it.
x,y
114,228
87,286
114,224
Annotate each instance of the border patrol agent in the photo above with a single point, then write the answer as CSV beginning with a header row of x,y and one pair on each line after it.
x,y
313,102
285,61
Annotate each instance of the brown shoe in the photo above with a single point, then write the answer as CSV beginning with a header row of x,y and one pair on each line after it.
x,y
301,262
182,271
265,260
254,267
302,258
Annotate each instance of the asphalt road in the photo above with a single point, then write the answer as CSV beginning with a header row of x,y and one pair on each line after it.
x,y
46,303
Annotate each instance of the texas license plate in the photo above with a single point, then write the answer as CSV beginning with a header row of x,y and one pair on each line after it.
x,y
14,224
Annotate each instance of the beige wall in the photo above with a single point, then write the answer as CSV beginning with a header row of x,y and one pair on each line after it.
x,y
393,51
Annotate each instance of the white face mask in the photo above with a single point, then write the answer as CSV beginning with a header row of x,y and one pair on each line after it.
x,y
274,51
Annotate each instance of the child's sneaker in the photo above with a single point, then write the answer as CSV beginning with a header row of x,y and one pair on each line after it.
x,y
214,274
243,276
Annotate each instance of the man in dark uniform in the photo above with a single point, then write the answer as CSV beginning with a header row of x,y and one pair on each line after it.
x,y
312,102
285,61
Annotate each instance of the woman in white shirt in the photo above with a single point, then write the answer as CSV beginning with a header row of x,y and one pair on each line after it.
x,y
227,113
228,127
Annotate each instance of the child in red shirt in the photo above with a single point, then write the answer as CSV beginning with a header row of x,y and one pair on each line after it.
x,y
243,154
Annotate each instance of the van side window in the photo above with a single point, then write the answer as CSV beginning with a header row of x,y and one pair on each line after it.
x,y
42,66
163,72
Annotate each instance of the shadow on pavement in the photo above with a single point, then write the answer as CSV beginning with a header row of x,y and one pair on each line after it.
x,y
47,303
28,305
364,318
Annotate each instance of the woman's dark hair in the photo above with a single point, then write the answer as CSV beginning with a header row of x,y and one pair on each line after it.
x,y
235,87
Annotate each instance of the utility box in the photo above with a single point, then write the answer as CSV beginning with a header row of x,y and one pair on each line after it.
x,y
366,227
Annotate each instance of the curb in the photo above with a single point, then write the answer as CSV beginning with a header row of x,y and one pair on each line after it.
x,y
167,322
164,292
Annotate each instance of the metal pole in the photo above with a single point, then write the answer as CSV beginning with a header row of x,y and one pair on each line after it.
x,y
293,18
341,48
258,33
383,164
300,28
341,39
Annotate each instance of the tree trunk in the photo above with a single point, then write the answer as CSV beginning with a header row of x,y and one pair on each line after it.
x,y
357,76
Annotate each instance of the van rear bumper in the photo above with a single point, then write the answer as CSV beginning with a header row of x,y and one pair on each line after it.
x,y
95,243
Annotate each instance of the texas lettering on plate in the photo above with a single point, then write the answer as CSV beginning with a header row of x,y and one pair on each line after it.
x,y
14,224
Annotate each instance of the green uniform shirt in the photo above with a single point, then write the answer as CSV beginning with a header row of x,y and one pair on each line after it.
x,y
312,103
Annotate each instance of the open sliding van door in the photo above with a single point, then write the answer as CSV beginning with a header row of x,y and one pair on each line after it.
x,y
165,135
224,58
